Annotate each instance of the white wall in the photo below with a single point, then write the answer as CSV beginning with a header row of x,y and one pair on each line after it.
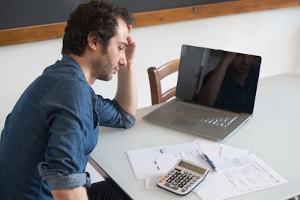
x,y
273,34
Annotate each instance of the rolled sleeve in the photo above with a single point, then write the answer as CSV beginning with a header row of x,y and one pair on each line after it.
x,y
111,114
128,119
56,180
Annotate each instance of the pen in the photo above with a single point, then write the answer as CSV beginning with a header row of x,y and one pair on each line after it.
x,y
209,161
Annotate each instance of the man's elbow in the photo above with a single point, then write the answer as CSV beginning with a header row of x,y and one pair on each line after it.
x,y
130,122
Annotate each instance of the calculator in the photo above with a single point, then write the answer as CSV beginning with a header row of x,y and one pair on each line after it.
x,y
183,177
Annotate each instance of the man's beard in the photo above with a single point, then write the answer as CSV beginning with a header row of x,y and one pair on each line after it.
x,y
102,68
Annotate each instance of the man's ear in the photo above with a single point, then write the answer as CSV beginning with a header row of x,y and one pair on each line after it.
x,y
92,41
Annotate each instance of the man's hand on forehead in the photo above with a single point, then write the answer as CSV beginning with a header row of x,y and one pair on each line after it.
x,y
129,28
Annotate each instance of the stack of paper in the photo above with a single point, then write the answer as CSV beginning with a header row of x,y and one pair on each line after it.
x,y
238,172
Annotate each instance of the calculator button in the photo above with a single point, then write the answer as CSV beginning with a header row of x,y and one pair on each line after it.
x,y
171,186
174,182
162,179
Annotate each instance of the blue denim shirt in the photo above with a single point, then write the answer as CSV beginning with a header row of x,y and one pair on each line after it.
x,y
51,131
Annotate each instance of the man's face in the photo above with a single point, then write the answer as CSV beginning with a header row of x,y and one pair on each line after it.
x,y
242,63
108,63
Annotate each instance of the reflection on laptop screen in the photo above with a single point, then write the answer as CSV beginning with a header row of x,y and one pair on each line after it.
x,y
218,78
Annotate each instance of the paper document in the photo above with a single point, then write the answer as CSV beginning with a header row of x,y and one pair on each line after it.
x,y
154,161
238,176
158,160
220,152
238,172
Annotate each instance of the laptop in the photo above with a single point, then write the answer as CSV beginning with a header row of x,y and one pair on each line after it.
x,y
215,93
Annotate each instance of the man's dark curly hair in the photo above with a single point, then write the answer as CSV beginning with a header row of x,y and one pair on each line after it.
x,y
98,18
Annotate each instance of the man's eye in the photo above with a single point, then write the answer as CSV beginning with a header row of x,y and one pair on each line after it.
x,y
122,48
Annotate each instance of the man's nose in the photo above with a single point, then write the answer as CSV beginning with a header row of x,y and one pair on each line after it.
x,y
123,61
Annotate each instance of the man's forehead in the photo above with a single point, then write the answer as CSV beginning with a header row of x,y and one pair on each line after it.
x,y
123,25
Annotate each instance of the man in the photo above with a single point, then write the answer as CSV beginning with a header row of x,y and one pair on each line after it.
x,y
49,134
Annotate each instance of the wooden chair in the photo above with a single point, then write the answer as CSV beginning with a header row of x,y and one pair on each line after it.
x,y
156,74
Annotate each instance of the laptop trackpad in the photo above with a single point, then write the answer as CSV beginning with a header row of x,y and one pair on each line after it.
x,y
182,124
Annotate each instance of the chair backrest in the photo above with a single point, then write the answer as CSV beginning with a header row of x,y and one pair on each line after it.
x,y
156,74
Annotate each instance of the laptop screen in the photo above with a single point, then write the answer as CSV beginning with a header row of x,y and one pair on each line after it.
x,y
218,78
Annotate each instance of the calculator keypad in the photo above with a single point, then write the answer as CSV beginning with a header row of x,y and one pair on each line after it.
x,y
180,180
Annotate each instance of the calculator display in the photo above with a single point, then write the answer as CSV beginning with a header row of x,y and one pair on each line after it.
x,y
191,167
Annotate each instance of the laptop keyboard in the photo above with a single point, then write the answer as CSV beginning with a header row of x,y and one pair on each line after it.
x,y
203,114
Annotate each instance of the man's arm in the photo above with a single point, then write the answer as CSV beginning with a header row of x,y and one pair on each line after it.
x,y
78,193
126,92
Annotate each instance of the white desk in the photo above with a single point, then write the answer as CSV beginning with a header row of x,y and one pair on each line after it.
x,y
273,134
